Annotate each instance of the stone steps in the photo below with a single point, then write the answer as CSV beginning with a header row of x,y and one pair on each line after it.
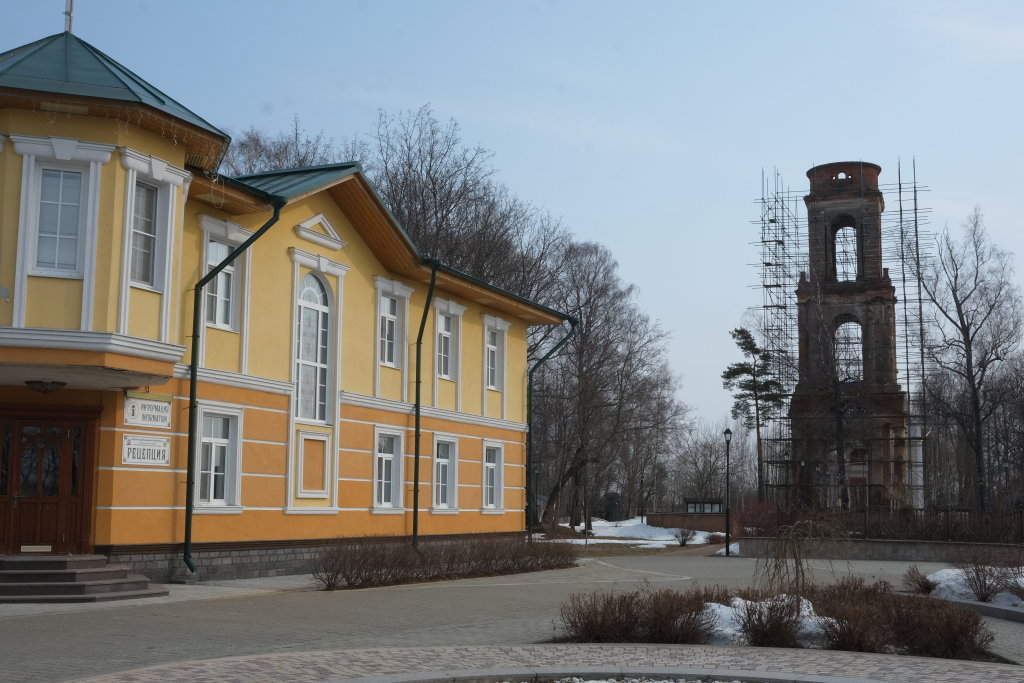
x,y
69,578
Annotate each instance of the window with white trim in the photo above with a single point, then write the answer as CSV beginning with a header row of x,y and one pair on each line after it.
x,y
387,475
144,235
492,484
388,330
312,349
220,291
492,371
217,467
61,209
445,328
445,475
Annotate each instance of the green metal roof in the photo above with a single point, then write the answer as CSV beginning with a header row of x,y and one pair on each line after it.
x,y
67,65
294,182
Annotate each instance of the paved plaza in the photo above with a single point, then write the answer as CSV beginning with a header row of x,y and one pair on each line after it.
x,y
282,629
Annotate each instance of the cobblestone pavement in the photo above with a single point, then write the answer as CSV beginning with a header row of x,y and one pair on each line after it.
x,y
383,663
288,631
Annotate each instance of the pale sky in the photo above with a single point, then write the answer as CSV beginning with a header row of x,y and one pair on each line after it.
x,y
644,126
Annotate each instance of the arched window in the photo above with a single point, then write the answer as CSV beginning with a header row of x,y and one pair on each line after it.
x,y
311,349
846,254
849,352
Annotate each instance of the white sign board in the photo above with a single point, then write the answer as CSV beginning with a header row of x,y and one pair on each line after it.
x,y
145,412
146,450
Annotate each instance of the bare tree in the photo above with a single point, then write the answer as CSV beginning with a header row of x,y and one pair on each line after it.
x,y
975,325
255,150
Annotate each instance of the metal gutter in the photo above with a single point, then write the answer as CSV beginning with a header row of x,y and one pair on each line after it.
x,y
193,403
434,265
531,483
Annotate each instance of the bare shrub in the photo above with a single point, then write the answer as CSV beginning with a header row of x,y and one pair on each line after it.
x,y
684,536
853,616
915,580
714,539
601,617
937,628
668,616
773,622
982,577
362,565
786,567
719,594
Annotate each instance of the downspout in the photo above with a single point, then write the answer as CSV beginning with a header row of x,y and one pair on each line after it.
x,y
531,475
193,412
419,380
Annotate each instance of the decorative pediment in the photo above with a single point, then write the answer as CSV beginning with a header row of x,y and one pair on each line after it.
x,y
326,236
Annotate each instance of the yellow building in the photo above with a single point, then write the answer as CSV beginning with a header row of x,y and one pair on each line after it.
x,y
110,213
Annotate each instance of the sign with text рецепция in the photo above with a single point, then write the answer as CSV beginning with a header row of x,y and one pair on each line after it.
x,y
146,450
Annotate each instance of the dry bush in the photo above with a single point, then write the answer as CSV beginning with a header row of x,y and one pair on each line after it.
x,y
915,580
983,576
719,594
773,622
601,617
937,628
684,536
786,568
362,565
668,616
714,539
853,616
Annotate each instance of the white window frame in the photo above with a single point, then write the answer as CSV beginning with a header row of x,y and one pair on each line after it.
x,y
445,307
216,291
445,343
232,503
322,366
451,502
231,235
77,272
387,336
499,478
500,327
400,292
138,234
397,488
60,154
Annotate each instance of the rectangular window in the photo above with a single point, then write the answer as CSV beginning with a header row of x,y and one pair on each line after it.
x,y
491,356
388,471
444,473
444,346
144,235
214,456
60,221
492,477
388,329
219,290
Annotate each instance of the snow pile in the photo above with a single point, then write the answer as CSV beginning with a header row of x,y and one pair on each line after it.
x,y
727,623
634,529
734,550
950,584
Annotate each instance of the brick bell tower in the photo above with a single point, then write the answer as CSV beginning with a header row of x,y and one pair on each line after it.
x,y
848,414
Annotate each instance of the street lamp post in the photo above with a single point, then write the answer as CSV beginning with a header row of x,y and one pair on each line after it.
x,y
728,437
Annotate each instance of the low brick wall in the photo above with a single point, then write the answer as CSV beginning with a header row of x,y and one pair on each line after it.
x,y
900,550
249,560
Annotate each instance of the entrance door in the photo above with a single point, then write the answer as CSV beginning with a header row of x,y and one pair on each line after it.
x,y
42,486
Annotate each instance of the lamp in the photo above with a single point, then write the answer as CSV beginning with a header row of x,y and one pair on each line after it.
x,y
728,437
45,386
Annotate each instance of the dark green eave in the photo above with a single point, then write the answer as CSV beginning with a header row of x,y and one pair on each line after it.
x,y
290,183
64,64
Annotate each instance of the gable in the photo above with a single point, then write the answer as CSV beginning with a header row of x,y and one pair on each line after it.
x,y
318,230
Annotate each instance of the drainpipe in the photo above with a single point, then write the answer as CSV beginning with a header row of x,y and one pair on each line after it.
x,y
193,412
419,380
531,475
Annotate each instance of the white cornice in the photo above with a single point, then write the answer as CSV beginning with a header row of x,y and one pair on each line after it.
x,y
236,379
404,408
153,168
321,264
80,340
62,149
330,238
448,307
392,287
222,230
495,322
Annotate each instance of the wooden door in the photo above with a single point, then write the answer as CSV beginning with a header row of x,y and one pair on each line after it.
x,y
43,466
